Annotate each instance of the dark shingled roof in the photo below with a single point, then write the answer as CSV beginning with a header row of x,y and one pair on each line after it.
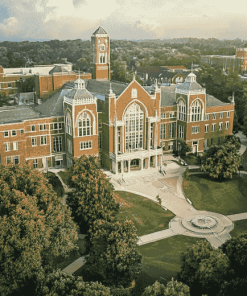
x,y
189,86
213,102
102,87
18,113
54,105
100,30
168,96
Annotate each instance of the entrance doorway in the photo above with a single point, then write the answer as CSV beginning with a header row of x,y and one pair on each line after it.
x,y
194,146
135,164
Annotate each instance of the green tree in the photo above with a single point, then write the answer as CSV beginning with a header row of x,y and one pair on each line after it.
x,y
213,271
35,227
26,85
173,288
113,258
191,260
92,198
223,161
185,148
3,99
64,284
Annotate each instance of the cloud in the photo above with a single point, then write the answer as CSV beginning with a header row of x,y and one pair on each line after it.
x,y
9,26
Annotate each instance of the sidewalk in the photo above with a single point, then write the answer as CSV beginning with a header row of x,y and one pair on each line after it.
x,y
238,217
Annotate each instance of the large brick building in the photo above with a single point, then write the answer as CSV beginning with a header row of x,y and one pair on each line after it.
x,y
129,126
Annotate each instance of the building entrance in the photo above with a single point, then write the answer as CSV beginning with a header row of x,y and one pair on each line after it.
x,y
135,164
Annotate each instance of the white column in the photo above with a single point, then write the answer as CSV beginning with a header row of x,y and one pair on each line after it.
x,y
141,164
122,166
128,166
155,161
148,162
149,135
116,167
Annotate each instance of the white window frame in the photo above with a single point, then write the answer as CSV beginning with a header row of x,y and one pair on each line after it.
x,y
214,116
206,128
84,125
69,146
206,117
68,124
35,163
170,146
33,128
228,114
162,131
34,141
15,146
220,126
196,129
213,127
181,131
43,140
16,157
86,145
196,111
134,93
181,110
42,127
13,131
227,124
7,134
8,159
21,131
221,115
57,144
7,146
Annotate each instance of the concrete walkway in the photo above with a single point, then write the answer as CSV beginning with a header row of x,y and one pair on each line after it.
x,y
74,266
156,236
238,217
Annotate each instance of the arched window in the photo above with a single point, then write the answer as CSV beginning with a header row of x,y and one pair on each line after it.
x,y
84,125
181,110
196,111
133,119
68,124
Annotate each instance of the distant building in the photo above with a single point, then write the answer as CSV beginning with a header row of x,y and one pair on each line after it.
x,y
128,126
236,62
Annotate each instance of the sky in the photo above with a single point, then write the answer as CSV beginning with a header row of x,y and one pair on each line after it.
x,y
123,19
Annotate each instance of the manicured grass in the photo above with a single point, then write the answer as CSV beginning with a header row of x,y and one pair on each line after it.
x,y
147,215
228,197
55,183
239,227
65,177
61,262
190,159
161,261
244,158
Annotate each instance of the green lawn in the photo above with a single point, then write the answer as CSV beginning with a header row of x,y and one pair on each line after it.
x,y
65,177
147,215
161,260
244,158
55,183
228,197
239,227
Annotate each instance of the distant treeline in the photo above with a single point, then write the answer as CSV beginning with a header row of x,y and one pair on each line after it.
x,y
26,53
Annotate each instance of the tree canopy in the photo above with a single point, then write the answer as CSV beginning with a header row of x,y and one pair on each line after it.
x,y
113,258
221,162
34,226
92,198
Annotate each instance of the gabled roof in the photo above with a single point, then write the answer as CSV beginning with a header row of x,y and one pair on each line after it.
x,y
100,30
58,69
79,94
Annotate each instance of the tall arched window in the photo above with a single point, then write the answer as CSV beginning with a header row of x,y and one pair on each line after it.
x,y
68,124
133,119
181,110
196,111
84,125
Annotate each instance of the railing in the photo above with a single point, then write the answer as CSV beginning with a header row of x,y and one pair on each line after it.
x,y
139,153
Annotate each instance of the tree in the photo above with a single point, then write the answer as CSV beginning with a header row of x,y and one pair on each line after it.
x,y
191,260
185,148
26,85
3,99
173,288
64,284
35,227
113,258
223,161
93,195
213,271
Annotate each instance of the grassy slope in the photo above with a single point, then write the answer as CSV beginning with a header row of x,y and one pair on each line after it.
x,y
228,197
161,261
147,216
239,228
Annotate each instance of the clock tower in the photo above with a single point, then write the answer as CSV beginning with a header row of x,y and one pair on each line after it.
x,y
100,42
